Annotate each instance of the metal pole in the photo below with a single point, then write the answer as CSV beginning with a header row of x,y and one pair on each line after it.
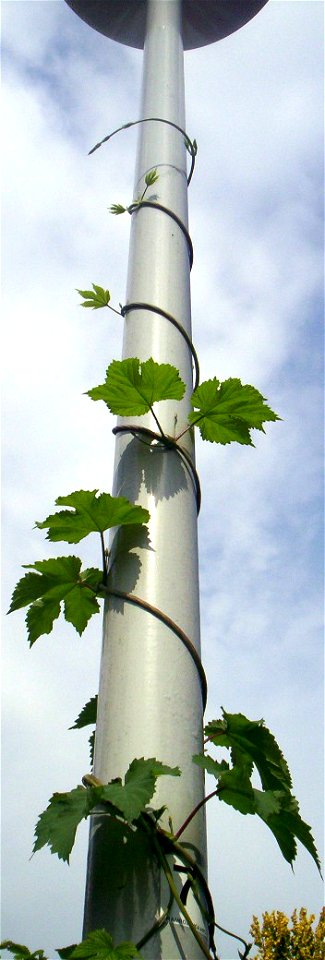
x,y
150,696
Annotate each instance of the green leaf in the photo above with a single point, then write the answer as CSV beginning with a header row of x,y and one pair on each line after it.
x,y
99,945
252,744
57,825
234,786
95,298
253,739
21,952
91,742
286,824
151,177
132,797
40,618
80,602
117,208
87,715
132,388
211,766
90,514
57,580
226,412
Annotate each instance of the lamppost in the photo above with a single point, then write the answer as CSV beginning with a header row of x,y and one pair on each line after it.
x,y
152,684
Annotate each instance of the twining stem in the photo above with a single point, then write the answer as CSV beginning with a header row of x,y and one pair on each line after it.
x,y
173,889
119,314
104,558
193,812
236,937
160,923
193,424
157,422
194,871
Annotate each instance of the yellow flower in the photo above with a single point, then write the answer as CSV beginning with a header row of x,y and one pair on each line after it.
x,y
276,940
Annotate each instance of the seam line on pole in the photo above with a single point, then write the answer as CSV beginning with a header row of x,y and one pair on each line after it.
x,y
170,444
138,602
163,313
137,205
132,123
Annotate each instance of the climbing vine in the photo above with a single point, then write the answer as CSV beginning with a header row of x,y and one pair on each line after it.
x,y
223,412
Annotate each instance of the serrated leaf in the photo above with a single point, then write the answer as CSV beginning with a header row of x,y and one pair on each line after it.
x,y
116,209
95,298
90,514
132,388
287,826
132,797
91,742
21,952
234,786
65,952
40,618
98,945
267,803
80,602
57,825
57,580
87,715
151,177
28,589
236,790
251,743
226,412
211,766
253,739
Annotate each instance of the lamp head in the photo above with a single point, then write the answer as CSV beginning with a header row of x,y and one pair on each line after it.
x,y
203,21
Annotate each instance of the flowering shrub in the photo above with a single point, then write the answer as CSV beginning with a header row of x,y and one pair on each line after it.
x,y
277,940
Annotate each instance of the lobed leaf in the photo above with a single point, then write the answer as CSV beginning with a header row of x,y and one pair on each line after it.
x,y
131,387
98,945
117,208
254,740
91,741
132,797
226,412
21,952
95,298
57,825
90,514
87,715
57,580
251,744
151,177
287,825
234,786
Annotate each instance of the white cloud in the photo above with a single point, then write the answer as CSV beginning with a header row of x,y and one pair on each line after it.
x,y
254,105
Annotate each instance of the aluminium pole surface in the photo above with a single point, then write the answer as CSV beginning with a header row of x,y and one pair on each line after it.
x,y
150,695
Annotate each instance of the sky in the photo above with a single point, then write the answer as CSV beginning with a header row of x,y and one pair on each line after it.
x,y
254,105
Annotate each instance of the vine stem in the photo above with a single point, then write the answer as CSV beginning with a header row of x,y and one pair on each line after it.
x,y
195,871
235,936
193,812
182,434
119,314
105,571
159,925
173,889
157,422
